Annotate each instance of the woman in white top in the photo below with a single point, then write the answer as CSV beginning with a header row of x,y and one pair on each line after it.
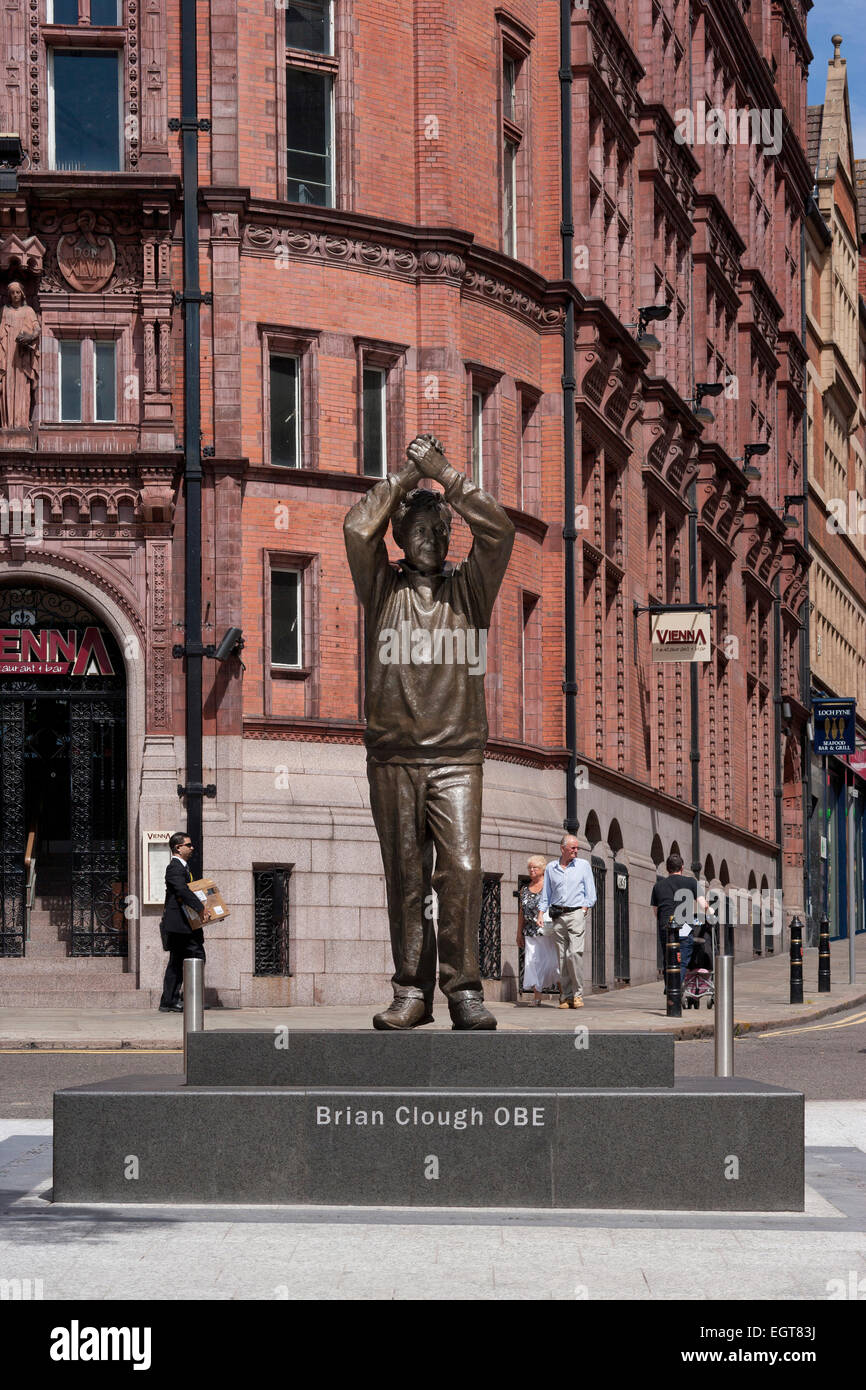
x,y
540,965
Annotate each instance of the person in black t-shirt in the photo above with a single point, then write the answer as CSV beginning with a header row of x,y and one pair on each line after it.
x,y
676,897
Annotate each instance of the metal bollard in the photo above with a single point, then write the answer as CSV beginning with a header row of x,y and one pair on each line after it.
x,y
193,1001
824,956
724,1015
673,978
796,961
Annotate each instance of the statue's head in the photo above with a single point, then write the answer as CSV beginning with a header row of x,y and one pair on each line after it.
x,y
422,528
16,293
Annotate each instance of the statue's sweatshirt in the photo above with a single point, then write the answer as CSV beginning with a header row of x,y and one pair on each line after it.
x,y
426,649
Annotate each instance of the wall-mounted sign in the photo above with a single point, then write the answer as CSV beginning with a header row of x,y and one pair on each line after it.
x,y
834,722
27,651
155,855
680,635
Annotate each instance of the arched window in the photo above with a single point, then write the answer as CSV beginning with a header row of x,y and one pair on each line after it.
x,y
593,829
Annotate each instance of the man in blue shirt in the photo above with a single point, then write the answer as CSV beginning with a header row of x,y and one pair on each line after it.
x,y
568,895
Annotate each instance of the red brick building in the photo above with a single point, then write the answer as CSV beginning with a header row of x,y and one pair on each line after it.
x,y
380,236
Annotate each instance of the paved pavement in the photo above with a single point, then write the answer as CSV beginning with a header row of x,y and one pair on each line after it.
x,y
83,1253
255,1253
760,1002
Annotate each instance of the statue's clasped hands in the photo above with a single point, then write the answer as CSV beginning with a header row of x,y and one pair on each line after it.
x,y
428,455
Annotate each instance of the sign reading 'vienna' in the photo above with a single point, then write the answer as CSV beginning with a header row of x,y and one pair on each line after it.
x,y
680,635
50,652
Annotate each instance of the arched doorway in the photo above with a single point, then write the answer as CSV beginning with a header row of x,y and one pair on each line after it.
x,y
62,777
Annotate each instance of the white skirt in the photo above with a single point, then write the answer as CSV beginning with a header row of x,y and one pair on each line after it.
x,y
540,963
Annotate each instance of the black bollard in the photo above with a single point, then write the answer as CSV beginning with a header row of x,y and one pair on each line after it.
x,y
673,979
824,956
796,961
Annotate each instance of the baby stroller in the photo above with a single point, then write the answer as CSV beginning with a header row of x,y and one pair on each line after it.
x,y
698,982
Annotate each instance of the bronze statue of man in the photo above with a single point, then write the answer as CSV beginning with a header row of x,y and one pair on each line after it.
x,y
427,721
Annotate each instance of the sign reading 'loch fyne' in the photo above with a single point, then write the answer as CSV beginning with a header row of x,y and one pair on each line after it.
x,y
835,726
27,651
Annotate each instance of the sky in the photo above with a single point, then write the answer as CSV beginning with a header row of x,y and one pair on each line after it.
x,y
848,18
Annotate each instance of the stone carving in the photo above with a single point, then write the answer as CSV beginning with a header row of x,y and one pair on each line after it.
x,y
127,271
21,254
149,357
164,327
402,261
224,226
19,360
87,259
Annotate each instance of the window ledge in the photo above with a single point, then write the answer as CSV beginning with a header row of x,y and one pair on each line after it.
x,y
86,36
291,673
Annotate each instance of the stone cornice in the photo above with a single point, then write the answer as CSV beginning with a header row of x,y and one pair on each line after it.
x,y
333,237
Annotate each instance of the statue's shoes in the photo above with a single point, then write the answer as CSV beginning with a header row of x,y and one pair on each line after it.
x,y
403,1013
468,1012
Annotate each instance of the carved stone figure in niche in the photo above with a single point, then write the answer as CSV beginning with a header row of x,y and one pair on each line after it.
x,y
19,360
86,260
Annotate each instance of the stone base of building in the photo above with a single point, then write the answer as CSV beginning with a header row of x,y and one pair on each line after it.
x,y
493,1137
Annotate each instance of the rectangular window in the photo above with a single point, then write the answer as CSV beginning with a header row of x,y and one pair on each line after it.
x,y
375,453
70,378
286,636
509,87
478,438
105,381
509,198
285,382
529,454
84,106
102,12
515,97
309,128
530,669
310,26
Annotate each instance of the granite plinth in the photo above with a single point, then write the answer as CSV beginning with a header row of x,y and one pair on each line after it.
x,y
722,1145
420,1059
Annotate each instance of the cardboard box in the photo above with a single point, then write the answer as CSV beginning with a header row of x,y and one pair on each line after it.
x,y
206,889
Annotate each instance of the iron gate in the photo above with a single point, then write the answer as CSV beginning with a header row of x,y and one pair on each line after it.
x,y
621,944
490,929
97,767
65,710
271,920
599,944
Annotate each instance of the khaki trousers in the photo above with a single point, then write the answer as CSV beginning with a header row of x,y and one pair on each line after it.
x,y
569,932
417,809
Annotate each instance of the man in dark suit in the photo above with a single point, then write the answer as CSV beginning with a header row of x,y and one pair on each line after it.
x,y
184,941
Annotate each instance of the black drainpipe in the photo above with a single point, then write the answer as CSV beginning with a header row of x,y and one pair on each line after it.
x,y
805,632
569,533
694,688
192,649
